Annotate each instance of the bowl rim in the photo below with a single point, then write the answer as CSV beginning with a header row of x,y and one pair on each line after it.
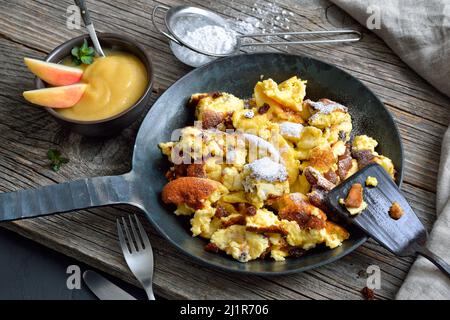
x,y
150,72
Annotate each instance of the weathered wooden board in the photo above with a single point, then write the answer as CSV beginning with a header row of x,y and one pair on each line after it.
x,y
33,28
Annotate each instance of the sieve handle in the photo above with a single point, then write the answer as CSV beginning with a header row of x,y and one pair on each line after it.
x,y
165,9
294,33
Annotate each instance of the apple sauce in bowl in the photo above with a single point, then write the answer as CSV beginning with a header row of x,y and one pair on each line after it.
x,y
114,84
118,87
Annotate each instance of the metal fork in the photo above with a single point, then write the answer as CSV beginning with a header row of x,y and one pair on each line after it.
x,y
138,252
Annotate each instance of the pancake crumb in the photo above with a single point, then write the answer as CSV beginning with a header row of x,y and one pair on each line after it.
x,y
396,211
354,203
371,181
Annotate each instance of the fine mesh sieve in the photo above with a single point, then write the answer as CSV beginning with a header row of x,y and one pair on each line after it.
x,y
192,18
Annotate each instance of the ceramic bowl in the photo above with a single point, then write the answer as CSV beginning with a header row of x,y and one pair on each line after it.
x,y
115,124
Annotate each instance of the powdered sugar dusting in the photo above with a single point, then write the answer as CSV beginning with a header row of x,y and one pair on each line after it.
x,y
291,129
323,108
296,197
262,144
249,114
266,169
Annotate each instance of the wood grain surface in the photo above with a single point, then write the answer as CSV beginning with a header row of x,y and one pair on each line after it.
x,y
33,28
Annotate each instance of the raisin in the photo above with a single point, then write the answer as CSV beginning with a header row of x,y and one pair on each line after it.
x,y
264,108
211,247
216,94
368,294
250,211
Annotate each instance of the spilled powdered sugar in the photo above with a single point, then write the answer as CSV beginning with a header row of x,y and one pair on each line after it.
x,y
267,170
291,129
265,17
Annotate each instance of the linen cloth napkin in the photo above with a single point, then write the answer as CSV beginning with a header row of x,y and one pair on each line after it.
x,y
418,31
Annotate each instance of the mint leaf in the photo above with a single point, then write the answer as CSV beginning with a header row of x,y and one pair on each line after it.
x,y
51,154
85,45
75,51
83,54
87,59
90,51
76,61
56,160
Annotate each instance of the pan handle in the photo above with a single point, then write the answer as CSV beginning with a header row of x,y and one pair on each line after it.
x,y
69,196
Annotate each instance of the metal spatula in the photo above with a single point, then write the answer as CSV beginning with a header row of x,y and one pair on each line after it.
x,y
405,236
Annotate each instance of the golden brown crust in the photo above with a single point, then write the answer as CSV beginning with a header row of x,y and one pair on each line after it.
x,y
304,220
331,176
196,170
304,213
239,220
189,190
195,99
317,180
317,198
364,157
177,171
355,196
286,113
396,211
344,163
211,119
269,229
186,170
322,158
333,228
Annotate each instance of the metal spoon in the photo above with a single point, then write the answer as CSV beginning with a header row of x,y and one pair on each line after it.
x,y
90,26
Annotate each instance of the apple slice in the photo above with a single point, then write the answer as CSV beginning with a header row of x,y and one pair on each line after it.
x,y
53,73
56,97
